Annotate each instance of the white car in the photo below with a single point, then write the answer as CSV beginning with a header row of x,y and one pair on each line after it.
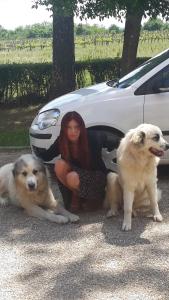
x,y
114,107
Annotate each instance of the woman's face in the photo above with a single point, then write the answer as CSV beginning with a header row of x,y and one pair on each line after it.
x,y
73,131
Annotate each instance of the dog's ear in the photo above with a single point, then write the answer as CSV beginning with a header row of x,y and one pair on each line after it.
x,y
15,168
14,172
138,137
18,164
41,165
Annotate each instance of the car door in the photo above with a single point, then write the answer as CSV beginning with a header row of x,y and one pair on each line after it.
x,y
156,102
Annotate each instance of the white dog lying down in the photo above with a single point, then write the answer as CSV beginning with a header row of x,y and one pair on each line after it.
x,y
135,186
24,183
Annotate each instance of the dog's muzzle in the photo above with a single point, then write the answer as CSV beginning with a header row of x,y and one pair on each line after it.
x,y
31,185
156,152
160,152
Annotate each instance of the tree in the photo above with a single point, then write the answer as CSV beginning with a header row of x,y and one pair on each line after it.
x,y
133,12
154,24
114,28
85,29
63,54
63,44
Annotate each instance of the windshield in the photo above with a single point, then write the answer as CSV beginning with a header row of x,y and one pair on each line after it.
x,y
147,66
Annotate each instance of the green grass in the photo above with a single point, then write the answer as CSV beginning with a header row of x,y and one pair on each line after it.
x,y
18,137
26,56
150,44
82,53
14,125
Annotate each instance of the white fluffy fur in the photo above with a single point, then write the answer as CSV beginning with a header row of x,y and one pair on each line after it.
x,y
135,185
24,183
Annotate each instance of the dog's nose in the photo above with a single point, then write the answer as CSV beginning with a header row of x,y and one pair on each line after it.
x,y
166,146
31,185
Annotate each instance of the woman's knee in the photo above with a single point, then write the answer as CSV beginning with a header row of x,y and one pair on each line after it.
x,y
73,180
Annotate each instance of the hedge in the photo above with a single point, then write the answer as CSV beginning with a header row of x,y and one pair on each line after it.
x,y
25,84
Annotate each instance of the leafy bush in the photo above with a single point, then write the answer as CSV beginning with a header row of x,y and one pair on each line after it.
x,y
26,84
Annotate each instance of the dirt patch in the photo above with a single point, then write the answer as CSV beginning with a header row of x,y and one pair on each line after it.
x,y
9,156
92,259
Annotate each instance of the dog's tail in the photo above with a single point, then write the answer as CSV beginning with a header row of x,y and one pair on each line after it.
x,y
113,199
111,181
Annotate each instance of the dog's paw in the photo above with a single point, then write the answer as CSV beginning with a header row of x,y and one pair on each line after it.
x,y
61,219
4,201
126,226
158,217
112,213
73,218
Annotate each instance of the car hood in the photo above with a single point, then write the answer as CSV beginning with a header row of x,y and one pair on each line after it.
x,y
92,93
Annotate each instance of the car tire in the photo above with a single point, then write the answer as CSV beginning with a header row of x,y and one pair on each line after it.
x,y
108,155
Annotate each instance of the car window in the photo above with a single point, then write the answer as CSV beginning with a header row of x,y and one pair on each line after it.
x,y
154,84
147,66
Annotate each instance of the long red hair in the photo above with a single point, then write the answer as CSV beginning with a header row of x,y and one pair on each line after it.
x,y
84,153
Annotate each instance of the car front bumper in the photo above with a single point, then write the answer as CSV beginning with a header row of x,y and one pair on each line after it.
x,y
42,139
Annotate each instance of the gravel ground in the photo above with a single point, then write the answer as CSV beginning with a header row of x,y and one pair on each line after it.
x,y
92,260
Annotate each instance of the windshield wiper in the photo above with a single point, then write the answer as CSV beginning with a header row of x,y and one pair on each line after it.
x,y
113,82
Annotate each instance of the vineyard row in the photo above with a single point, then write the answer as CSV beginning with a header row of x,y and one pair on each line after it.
x,y
106,39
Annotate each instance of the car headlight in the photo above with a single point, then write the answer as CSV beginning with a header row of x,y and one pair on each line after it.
x,y
48,118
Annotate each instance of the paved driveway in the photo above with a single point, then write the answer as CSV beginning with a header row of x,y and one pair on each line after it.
x,y
92,260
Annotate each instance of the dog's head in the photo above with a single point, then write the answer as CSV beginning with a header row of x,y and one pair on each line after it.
x,y
29,172
149,137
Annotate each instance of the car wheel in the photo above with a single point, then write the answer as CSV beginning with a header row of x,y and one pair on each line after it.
x,y
109,156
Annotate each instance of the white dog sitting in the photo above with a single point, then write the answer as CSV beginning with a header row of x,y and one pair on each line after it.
x,y
136,183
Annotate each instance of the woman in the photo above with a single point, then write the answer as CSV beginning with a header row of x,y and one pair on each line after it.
x,y
81,172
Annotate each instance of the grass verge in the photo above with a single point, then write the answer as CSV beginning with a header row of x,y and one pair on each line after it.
x,y
14,125
19,137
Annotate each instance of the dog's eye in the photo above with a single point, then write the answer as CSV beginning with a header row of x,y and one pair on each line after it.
x,y
156,137
24,173
35,172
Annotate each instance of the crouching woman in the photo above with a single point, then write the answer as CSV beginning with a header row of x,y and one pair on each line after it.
x,y
81,172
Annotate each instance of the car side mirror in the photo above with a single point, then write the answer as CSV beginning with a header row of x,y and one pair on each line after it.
x,y
112,83
163,89
157,89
